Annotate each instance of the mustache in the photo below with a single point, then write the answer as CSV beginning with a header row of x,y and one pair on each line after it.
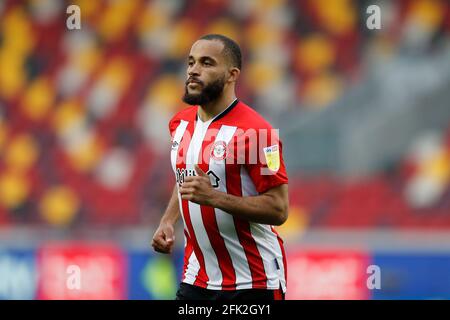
x,y
193,80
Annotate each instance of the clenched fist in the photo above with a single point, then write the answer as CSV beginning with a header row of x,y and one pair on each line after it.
x,y
164,238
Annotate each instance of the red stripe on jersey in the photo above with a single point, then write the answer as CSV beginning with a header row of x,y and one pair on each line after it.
x,y
202,278
187,254
278,294
254,259
210,221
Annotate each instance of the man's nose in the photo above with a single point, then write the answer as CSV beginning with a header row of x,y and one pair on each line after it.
x,y
194,70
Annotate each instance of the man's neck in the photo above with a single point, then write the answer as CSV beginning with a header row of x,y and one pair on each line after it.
x,y
210,110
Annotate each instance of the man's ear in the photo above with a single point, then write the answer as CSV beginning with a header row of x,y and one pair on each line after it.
x,y
234,74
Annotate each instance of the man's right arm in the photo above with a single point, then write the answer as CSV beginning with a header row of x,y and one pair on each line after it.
x,y
164,237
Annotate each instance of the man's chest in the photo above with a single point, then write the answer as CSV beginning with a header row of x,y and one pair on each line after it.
x,y
208,145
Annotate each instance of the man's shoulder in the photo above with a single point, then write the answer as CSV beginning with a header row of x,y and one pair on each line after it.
x,y
186,114
245,116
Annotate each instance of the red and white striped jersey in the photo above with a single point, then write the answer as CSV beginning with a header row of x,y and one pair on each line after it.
x,y
242,154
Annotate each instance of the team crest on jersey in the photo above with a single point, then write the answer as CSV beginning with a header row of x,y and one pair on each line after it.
x,y
272,155
174,145
219,150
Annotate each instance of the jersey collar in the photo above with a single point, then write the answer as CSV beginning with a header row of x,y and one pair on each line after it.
x,y
224,112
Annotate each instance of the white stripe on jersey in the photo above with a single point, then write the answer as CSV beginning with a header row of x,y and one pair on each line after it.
x,y
192,268
211,263
273,240
177,137
225,221
179,132
266,241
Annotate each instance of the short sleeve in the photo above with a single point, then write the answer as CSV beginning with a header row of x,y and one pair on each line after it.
x,y
264,159
173,124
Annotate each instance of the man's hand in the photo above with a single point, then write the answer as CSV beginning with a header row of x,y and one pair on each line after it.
x,y
164,238
198,188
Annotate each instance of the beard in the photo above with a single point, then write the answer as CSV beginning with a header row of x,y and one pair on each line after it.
x,y
209,93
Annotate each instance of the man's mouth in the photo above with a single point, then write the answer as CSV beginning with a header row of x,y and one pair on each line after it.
x,y
190,81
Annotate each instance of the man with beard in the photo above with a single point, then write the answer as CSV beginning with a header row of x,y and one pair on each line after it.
x,y
231,185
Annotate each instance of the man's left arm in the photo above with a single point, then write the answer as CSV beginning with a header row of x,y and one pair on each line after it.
x,y
270,207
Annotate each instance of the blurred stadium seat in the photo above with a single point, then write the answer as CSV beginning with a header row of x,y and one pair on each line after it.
x,y
81,109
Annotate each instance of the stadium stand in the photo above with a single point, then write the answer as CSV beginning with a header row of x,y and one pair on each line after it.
x,y
84,113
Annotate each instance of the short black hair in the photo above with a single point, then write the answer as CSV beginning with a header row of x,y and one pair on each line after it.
x,y
230,47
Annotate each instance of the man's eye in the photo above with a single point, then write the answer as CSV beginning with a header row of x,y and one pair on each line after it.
x,y
207,63
190,63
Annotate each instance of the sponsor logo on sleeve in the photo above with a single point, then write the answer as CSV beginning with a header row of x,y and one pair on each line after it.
x,y
272,155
